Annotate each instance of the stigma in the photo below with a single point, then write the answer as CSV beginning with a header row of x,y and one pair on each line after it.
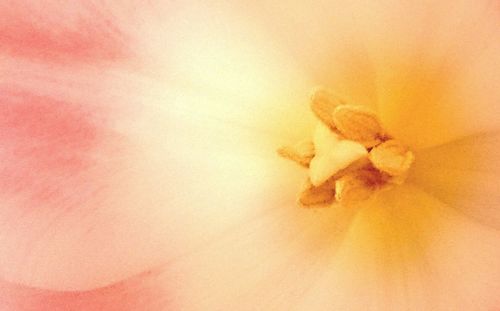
x,y
350,156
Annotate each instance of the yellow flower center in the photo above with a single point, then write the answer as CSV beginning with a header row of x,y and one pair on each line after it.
x,y
350,156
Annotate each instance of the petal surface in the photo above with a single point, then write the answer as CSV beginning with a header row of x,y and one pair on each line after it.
x,y
464,174
391,255
62,32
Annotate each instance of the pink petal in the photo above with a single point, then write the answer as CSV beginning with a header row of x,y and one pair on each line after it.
x,y
145,291
56,31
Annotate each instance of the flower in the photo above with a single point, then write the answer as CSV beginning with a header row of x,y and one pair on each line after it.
x,y
180,107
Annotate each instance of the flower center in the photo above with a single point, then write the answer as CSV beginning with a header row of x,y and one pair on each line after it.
x,y
350,156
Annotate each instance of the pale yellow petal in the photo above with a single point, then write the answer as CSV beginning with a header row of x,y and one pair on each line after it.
x,y
431,68
268,262
436,68
464,174
390,256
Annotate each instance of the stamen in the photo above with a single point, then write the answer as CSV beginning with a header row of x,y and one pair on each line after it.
x,y
302,153
317,196
353,187
358,124
392,158
323,103
351,156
